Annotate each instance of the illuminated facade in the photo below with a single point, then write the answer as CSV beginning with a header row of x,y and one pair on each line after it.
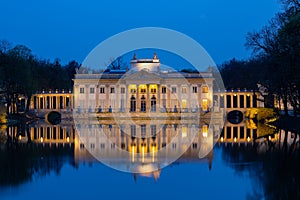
x,y
142,89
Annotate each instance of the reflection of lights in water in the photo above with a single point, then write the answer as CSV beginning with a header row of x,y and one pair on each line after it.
x,y
184,132
132,158
204,131
42,140
234,139
248,139
153,152
143,153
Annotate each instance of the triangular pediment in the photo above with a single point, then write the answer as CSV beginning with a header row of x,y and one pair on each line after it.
x,y
142,76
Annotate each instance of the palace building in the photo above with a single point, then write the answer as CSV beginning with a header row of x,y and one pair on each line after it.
x,y
143,88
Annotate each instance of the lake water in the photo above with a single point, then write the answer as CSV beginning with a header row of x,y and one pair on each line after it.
x,y
61,167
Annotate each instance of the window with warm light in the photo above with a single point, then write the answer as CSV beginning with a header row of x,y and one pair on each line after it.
x,y
132,90
183,90
204,89
153,90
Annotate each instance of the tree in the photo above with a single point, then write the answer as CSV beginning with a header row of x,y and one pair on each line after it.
x,y
278,43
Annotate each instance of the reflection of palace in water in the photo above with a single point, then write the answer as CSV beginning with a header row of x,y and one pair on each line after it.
x,y
145,137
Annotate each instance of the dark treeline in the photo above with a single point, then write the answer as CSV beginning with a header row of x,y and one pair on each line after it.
x,y
22,74
275,64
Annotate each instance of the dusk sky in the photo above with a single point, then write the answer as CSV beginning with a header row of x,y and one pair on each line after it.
x,y
71,29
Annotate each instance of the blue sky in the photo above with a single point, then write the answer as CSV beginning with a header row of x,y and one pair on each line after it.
x,y
69,30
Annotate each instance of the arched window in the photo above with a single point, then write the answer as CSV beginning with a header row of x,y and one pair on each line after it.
x,y
153,104
143,104
132,104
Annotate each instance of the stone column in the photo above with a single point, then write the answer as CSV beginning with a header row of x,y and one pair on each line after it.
x,y
138,102
158,98
118,94
127,99
148,100
107,92
168,99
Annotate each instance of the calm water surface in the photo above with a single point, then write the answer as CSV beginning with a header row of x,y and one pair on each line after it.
x,y
264,169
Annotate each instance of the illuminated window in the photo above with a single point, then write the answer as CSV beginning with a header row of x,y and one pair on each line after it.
x,y
173,89
183,90
122,90
81,90
204,89
204,105
112,90
102,90
153,90
195,89
163,90
132,90
92,90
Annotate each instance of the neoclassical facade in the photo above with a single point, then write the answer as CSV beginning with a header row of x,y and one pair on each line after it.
x,y
143,88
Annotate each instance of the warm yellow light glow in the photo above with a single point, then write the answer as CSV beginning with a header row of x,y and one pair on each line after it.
x,y
20,98
68,139
42,140
248,139
132,151
222,139
20,137
204,131
41,96
234,139
234,95
183,102
143,153
153,153
204,104
248,95
68,96
184,132
132,86
143,86
222,95
270,138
